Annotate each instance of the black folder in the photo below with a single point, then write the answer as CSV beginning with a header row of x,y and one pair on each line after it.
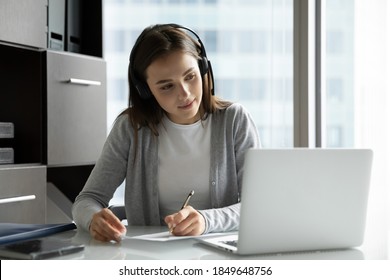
x,y
14,232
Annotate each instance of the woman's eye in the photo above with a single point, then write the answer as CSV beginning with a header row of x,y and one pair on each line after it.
x,y
166,87
190,76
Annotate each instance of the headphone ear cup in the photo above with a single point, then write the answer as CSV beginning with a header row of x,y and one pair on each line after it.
x,y
203,65
144,90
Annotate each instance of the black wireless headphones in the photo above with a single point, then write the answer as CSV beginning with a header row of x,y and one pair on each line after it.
x,y
141,86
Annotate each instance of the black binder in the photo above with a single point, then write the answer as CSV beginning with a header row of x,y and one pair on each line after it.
x,y
13,232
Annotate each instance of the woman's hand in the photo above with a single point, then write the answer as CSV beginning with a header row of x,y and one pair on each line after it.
x,y
105,226
187,221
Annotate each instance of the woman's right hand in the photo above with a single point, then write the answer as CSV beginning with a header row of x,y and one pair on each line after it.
x,y
105,226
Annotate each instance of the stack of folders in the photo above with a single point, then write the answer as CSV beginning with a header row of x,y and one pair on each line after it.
x,y
6,133
35,241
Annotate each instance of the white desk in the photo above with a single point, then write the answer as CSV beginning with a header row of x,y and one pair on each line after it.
x,y
191,249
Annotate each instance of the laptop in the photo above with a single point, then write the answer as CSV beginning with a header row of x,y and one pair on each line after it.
x,y
300,200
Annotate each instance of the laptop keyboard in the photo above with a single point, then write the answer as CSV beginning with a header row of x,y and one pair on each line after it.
x,y
230,242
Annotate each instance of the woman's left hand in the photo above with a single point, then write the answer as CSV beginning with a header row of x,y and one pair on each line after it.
x,y
187,221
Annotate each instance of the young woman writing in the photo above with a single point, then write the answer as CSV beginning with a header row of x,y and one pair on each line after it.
x,y
175,136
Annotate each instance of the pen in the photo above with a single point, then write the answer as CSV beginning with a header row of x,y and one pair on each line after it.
x,y
184,205
188,199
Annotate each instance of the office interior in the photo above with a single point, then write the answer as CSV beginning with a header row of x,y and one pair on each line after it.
x,y
312,73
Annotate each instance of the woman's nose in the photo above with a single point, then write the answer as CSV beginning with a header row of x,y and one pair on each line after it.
x,y
184,91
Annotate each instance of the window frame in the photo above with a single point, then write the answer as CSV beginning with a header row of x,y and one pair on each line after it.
x,y
308,40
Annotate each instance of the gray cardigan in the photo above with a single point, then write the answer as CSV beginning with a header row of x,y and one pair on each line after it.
x,y
233,132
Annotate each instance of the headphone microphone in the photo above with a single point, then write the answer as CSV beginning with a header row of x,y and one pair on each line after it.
x,y
204,64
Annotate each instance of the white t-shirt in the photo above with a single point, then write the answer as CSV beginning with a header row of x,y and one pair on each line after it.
x,y
184,165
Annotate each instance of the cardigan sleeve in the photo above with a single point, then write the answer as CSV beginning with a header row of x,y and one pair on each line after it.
x,y
108,173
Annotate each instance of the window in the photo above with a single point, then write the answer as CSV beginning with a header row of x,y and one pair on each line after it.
x,y
249,44
335,89
357,92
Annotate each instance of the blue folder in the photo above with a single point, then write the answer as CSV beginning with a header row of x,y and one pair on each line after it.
x,y
13,232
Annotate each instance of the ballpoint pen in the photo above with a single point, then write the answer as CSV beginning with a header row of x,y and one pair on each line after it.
x,y
188,199
184,205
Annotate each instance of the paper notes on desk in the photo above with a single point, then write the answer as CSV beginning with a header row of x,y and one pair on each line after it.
x,y
167,236
160,236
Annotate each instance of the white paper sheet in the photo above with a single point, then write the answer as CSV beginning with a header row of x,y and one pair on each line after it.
x,y
167,236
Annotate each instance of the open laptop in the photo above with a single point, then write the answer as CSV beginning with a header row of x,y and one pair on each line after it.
x,y
301,199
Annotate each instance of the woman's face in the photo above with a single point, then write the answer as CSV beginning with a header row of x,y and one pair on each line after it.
x,y
176,83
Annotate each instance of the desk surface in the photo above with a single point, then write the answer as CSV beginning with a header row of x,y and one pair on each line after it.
x,y
188,249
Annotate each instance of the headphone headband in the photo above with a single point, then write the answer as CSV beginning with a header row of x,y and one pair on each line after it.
x,y
141,86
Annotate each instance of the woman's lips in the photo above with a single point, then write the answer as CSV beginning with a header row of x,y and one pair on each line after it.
x,y
187,105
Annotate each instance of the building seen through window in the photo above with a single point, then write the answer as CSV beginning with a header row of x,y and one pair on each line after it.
x,y
250,46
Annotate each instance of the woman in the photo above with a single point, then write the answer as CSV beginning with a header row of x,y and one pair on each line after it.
x,y
176,136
